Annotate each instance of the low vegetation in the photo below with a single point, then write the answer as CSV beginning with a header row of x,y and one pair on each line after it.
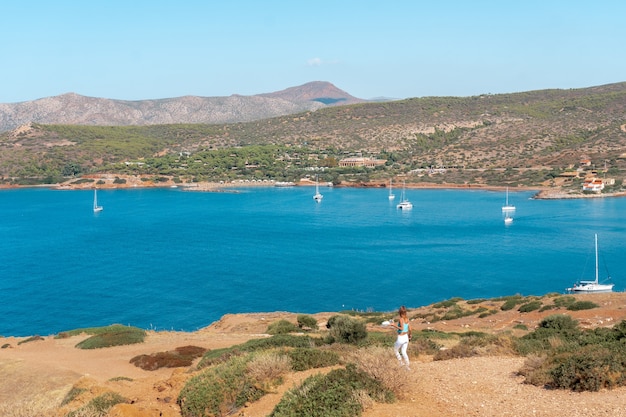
x,y
561,355
521,139
356,368
179,357
98,406
107,336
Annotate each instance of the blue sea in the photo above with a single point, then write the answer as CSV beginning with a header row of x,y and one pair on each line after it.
x,y
168,259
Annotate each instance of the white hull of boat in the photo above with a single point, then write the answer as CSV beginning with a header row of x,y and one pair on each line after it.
x,y
591,286
405,205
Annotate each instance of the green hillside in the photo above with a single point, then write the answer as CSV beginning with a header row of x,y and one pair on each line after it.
x,y
516,139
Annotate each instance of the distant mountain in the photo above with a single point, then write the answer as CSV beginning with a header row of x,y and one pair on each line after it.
x,y
75,109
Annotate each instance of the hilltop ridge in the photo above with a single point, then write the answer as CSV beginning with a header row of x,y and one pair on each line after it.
x,y
75,109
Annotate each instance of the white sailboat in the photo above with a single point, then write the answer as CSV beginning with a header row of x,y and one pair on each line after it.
x,y
404,204
96,207
507,207
591,286
391,195
317,197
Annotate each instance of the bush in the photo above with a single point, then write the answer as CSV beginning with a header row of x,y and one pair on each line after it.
x,y
220,390
447,303
306,322
477,344
306,358
267,368
30,339
559,323
115,335
336,394
381,364
582,305
282,340
179,357
99,406
531,306
509,304
590,369
282,327
564,301
345,329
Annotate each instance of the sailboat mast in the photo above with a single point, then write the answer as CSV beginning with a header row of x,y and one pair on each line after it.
x,y
596,258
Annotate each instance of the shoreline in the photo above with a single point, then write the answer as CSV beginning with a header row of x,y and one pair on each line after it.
x,y
108,182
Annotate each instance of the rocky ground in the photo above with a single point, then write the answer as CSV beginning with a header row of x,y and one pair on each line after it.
x,y
43,371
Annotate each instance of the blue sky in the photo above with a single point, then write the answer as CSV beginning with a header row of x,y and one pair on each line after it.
x,y
134,50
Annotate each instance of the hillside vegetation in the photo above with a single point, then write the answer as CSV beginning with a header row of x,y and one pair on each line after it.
x,y
525,138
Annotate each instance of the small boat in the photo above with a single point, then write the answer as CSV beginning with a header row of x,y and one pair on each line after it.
x,y
404,204
317,197
507,207
96,207
508,219
391,195
591,286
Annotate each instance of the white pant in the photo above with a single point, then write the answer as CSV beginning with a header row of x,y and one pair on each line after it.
x,y
402,343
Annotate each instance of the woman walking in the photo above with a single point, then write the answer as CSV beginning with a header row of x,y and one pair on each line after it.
x,y
403,329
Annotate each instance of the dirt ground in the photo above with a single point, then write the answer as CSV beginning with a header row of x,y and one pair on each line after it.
x,y
45,370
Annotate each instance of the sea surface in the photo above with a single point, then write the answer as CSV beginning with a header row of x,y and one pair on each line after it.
x,y
168,259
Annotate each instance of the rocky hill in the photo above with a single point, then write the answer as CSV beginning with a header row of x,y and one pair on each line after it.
x,y
526,138
74,109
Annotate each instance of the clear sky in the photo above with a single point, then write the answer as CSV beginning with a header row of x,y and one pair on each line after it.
x,y
137,49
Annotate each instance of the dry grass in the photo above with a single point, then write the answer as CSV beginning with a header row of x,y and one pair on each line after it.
x,y
381,364
44,405
268,367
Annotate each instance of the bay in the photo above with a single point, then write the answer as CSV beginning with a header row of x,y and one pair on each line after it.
x,y
168,259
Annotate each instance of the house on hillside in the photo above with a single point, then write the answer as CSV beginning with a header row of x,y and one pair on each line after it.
x,y
361,162
593,184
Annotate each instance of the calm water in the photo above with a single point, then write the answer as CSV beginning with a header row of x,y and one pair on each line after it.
x,y
167,259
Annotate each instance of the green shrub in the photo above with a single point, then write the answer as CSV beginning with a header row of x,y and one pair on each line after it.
x,y
345,329
590,369
487,314
306,322
282,327
220,390
476,344
30,339
306,358
564,301
282,340
582,305
447,303
476,301
99,406
531,306
509,304
91,330
334,394
115,335
72,394
559,323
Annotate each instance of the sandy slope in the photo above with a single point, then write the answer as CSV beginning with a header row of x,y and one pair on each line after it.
x,y
486,386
